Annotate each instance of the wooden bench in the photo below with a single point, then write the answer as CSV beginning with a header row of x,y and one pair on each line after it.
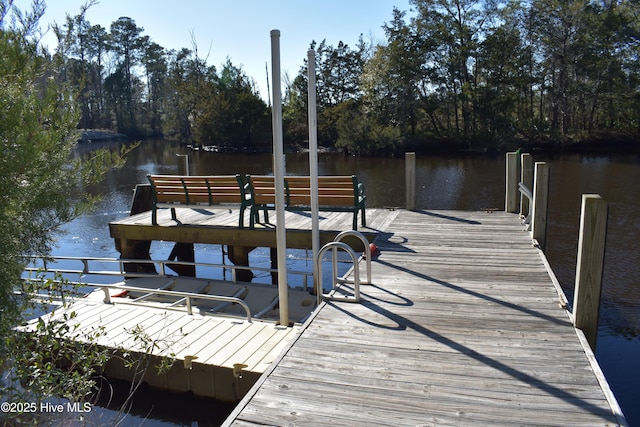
x,y
176,191
335,193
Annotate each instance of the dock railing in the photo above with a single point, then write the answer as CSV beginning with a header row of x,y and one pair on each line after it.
x,y
88,269
527,193
161,265
185,297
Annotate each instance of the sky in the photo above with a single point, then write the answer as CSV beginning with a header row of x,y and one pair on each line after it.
x,y
239,29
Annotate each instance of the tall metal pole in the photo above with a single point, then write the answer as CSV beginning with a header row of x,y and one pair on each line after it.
x,y
313,166
278,172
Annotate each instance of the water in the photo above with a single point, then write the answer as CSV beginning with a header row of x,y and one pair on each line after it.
x,y
461,183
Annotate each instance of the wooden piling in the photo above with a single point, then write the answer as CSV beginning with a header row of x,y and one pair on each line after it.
x,y
239,255
183,252
589,266
540,203
410,179
512,195
142,199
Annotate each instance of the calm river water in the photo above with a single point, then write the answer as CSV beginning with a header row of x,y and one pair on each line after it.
x,y
462,183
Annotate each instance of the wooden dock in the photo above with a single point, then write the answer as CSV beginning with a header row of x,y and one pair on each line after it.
x,y
219,356
463,325
220,226
216,355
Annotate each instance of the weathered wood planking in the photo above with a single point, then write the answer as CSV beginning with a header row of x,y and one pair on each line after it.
x,y
462,326
218,343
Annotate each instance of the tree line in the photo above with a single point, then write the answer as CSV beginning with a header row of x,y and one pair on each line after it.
x,y
449,74
502,80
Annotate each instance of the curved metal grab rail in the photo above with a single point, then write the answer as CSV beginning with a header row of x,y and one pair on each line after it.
x,y
526,191
356,273
367,250
188,296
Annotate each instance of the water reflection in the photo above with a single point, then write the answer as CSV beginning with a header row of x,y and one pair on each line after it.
x,y
612,177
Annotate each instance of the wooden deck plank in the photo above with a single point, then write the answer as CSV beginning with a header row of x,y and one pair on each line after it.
x,y
146,326
362,405
264,336
207,336
217,343
462,326
87,312
261,357
483,379
222,354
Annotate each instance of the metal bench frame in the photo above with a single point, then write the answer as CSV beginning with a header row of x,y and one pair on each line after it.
x,y
335,194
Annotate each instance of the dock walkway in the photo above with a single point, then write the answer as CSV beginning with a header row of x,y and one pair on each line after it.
x,y
461,326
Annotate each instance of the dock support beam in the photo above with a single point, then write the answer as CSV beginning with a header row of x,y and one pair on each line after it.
x,y
239,255
273,254
135,249
183,252
589,266
410,179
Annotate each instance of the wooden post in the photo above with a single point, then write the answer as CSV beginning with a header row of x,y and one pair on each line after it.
x,y
540,204
239,255
183,252
273,254
513,175
588,287
526,177
142,199
135,249
410,180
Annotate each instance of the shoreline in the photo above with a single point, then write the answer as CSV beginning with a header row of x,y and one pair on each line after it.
x,y
602,145
94,135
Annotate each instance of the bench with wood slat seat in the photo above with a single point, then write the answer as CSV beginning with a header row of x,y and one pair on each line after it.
x,y
177,191
335,194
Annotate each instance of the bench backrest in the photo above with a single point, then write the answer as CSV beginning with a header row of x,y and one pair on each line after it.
x,y
338,191
263,189
332,190
208,190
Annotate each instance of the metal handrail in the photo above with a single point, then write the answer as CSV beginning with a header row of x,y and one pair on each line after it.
x,y
188,296
162,264
120,272
367,250
356,272
528,193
